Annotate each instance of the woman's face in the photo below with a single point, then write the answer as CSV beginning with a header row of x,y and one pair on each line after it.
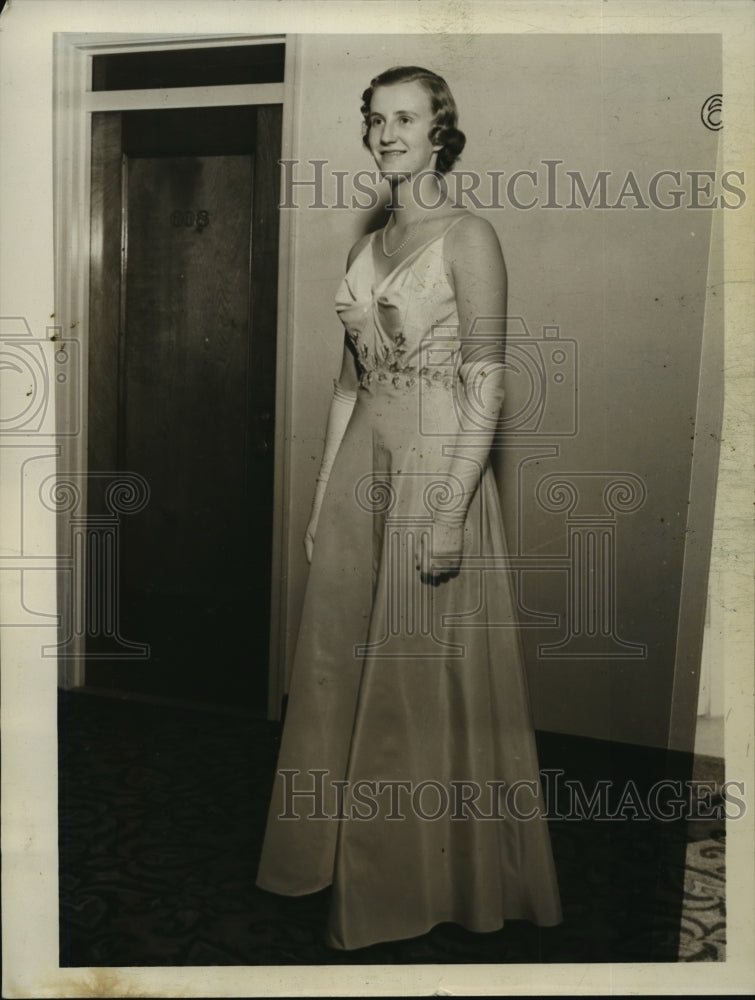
x,y
400,121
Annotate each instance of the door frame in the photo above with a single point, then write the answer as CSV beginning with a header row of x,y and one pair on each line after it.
x,y
73,103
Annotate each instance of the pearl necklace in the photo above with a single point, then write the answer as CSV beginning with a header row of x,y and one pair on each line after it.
x,y
406,239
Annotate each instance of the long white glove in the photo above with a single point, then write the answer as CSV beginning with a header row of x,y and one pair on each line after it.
x,y
341,408
480,394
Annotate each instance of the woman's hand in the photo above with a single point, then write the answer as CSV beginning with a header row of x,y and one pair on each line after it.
x,y
441,552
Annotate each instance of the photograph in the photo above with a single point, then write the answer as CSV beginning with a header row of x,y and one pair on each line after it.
x,y
376,460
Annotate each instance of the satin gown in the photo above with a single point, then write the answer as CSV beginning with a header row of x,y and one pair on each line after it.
x,y
395,681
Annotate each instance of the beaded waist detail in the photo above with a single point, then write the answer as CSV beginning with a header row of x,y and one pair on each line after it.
x,y
390,368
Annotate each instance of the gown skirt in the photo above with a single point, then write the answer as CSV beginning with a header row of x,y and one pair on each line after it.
x,y
408,774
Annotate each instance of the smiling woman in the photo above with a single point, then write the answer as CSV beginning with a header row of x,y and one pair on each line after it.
x,y
430,115
408,712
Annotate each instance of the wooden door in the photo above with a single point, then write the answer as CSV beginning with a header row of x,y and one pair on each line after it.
x,y
181,392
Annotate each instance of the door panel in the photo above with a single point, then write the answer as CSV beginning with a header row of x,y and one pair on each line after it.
x,y
184,384
196,340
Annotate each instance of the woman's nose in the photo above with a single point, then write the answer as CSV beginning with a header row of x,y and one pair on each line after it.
x,y
387,134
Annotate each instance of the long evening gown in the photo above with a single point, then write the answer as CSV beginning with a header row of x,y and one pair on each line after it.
x,y
395,680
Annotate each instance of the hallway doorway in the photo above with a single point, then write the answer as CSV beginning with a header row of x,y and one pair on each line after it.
x,y
181,391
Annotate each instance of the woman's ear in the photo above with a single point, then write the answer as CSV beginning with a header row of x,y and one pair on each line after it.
x,y
434,138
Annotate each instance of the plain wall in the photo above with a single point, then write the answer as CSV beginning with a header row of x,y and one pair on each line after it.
x,y
628,286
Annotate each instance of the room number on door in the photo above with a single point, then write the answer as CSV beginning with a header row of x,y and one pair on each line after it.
x,y
189,219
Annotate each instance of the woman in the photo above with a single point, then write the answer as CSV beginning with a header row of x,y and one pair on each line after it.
x,y
408,775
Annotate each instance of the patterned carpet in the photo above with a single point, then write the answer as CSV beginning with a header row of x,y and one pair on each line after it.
x,y
161,816
703,937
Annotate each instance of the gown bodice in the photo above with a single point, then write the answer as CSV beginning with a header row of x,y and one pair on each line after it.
x,y
405,327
